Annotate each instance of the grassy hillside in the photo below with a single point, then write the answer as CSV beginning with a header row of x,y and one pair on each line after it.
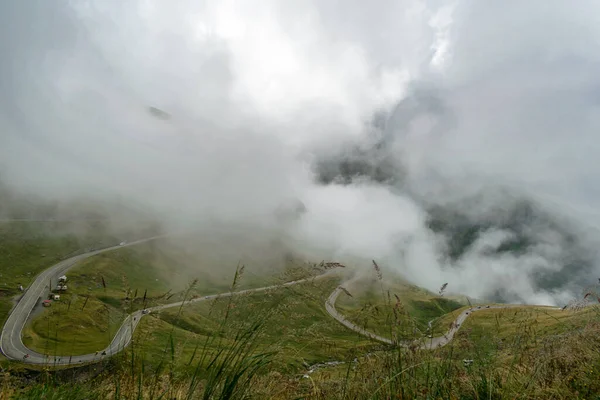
x,y
275,344
27,248
295,323
524,353
75,325
393,307
521,353
105,288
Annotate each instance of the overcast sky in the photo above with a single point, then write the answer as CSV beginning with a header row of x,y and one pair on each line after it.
x,y
253,88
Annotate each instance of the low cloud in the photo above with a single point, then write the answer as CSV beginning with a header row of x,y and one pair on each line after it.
x,y
453,142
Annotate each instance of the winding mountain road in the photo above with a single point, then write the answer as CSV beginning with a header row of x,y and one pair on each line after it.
x,y
12,346
11,343
424,343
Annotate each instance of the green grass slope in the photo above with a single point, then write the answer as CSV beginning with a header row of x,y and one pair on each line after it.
x,y
394,307
28,248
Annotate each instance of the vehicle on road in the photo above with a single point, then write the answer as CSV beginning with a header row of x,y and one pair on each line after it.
x,y
36,295
145,311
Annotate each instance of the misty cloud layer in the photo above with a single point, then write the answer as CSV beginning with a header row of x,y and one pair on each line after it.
x,y
451,141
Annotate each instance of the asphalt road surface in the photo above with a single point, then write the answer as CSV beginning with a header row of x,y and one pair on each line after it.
x,y
12,345
10,339
11,342
425,343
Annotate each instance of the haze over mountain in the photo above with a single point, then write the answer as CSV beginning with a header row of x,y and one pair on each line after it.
x,y
451,141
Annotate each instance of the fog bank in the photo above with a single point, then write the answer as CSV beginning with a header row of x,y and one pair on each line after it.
x,y
451,141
